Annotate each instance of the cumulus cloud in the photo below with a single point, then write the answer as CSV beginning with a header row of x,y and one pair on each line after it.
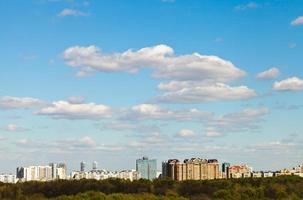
x,y
9,102
71,12
197,92
67,110
185,133
250,5
269,74
160,57
155,112
289,84
298,21
199,78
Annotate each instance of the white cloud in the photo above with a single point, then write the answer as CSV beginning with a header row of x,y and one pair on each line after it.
x,y
9,102
246,120
76,99
298,21
76,145
122,126
184,133
160,57
212,132
67,110
289,84
71,12
277,146
155,112
269,74
200,78
14,128
197,92
250,5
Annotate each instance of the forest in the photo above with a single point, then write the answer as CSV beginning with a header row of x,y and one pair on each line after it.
x,y
283,187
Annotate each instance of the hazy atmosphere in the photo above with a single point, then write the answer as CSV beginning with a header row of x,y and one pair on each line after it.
x,y
115,80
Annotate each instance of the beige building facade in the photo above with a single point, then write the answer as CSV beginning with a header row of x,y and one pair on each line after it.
x,y
191,169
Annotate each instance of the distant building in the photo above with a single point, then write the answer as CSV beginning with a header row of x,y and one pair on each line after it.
x,y
35,173
104,174
8,178
58,170
147,168
82,166
129,175
240,171
49,172
191,169
95,165
225,170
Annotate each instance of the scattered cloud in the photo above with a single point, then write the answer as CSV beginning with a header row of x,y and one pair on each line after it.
x,y
298,21
67,110
135,127
76,100
71,12
212,132
219,40
9,102
198,92
289,84
160,57
285,106
269,74
292,45
155,112
79,145
185,133
246,120
276,146
250,5
15,128
199,78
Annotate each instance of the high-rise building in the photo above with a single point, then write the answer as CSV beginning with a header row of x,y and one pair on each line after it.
x,y
191,169
147,168
82,166
54,170
95,165
225,170
35,173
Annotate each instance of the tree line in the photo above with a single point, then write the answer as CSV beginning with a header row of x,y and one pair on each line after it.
x,y
284,187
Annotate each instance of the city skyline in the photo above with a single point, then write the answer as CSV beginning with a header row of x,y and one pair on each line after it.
x,y
113,81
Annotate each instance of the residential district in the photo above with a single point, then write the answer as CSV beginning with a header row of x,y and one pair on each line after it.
x,y
189,169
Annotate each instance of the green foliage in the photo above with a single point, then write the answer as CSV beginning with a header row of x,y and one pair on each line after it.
x,y
284,187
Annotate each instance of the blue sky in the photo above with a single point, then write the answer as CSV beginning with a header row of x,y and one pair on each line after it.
x,y
115,80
